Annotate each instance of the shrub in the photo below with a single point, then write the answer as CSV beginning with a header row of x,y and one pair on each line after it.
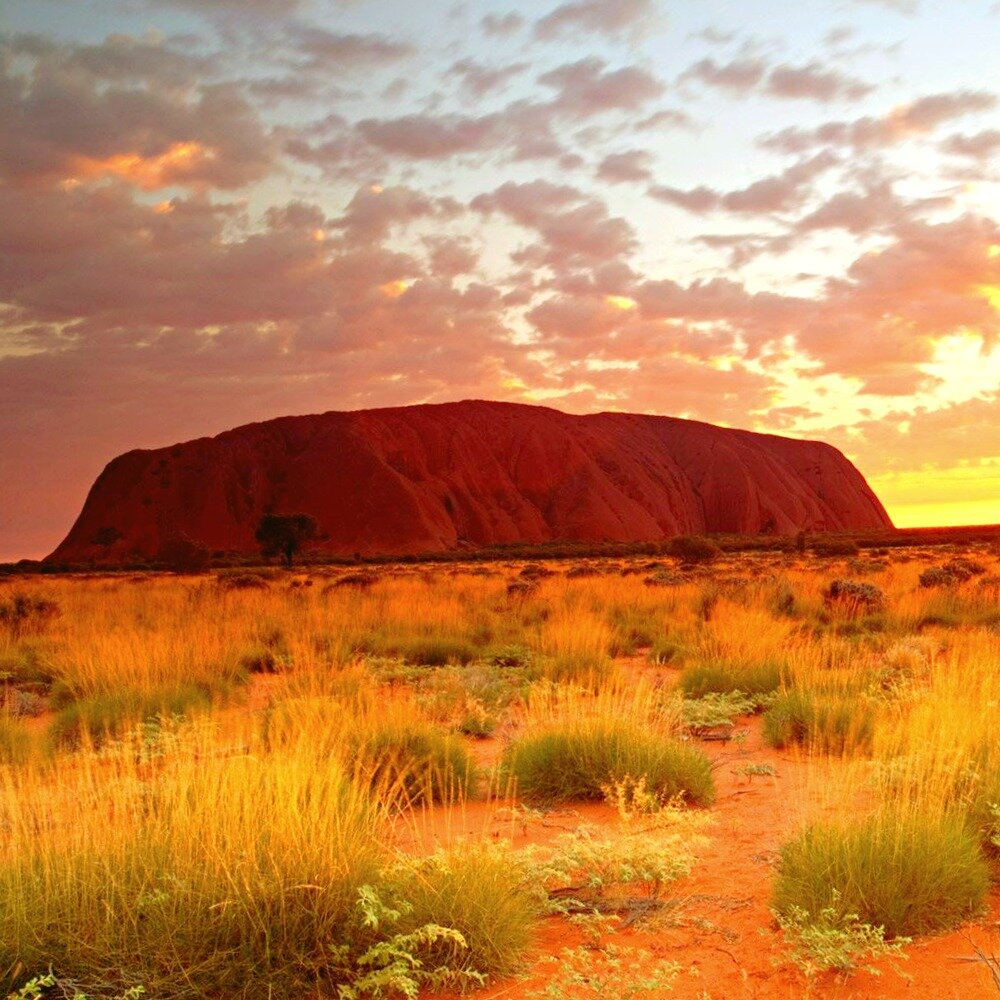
x,y
725,676
829,721
834,940
577,759
907,871
415,762
693,550
855,596
936,576
94,719
833,547
24,614
509,656
714,710
481,890
226,876
437,651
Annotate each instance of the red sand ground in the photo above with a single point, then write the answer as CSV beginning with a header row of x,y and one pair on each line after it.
x,y
722,933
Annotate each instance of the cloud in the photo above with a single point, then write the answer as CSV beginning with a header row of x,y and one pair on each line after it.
x,y
480,80
594,17
631,165
502,25
58,123
813,82
810,81
917,118
427,137
979,146
333,52
778,193
588,87
905,7
374,212
737,75
576,230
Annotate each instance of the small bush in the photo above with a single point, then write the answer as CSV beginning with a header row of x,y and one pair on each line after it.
x,y
832,722
693,550
905,871
936,576
483,891
714,710
829,548
577,760
835,940
101,716
415,761
23,614
510,656
724,676
587,669
855,596
436,651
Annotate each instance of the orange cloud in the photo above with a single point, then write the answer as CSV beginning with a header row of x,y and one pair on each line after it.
x,y
176,165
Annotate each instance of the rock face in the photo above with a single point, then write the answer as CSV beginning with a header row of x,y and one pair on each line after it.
x,y
459,475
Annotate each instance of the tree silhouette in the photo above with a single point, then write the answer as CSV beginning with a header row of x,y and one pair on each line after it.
x,y
285,534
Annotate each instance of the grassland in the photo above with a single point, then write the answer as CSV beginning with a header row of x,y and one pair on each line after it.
x,y
346,781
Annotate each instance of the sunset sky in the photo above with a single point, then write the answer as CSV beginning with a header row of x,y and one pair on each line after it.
x,y
772,215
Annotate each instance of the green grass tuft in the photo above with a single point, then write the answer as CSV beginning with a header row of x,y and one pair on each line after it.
x,y
576,760
906,871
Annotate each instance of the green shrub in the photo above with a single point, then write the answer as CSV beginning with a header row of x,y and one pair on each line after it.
x,y
415,761
436,651
576,760
585,669
713,709
906,871
833,722
420,650
835,940
483,891
724,676
101,716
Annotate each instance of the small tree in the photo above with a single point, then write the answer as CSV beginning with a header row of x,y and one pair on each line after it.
x,y
285,534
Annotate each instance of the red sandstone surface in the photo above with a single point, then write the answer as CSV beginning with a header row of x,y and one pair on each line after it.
x,y
464,475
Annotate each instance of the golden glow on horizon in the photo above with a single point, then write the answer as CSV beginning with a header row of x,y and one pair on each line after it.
x,y
993,250
925,498
622,302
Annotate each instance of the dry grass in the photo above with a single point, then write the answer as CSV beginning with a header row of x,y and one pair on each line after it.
x,y
186,826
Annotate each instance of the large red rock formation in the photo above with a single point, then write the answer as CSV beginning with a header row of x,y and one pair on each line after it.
x,y
428,478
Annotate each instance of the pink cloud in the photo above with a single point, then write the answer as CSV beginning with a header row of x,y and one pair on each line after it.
x,y
594,16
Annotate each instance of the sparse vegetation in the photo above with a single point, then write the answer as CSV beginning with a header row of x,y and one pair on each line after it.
x,y
260,783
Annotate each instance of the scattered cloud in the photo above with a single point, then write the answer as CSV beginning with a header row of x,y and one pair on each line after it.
x,y
595,17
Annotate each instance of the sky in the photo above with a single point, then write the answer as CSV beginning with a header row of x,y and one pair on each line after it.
x,y
771,215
